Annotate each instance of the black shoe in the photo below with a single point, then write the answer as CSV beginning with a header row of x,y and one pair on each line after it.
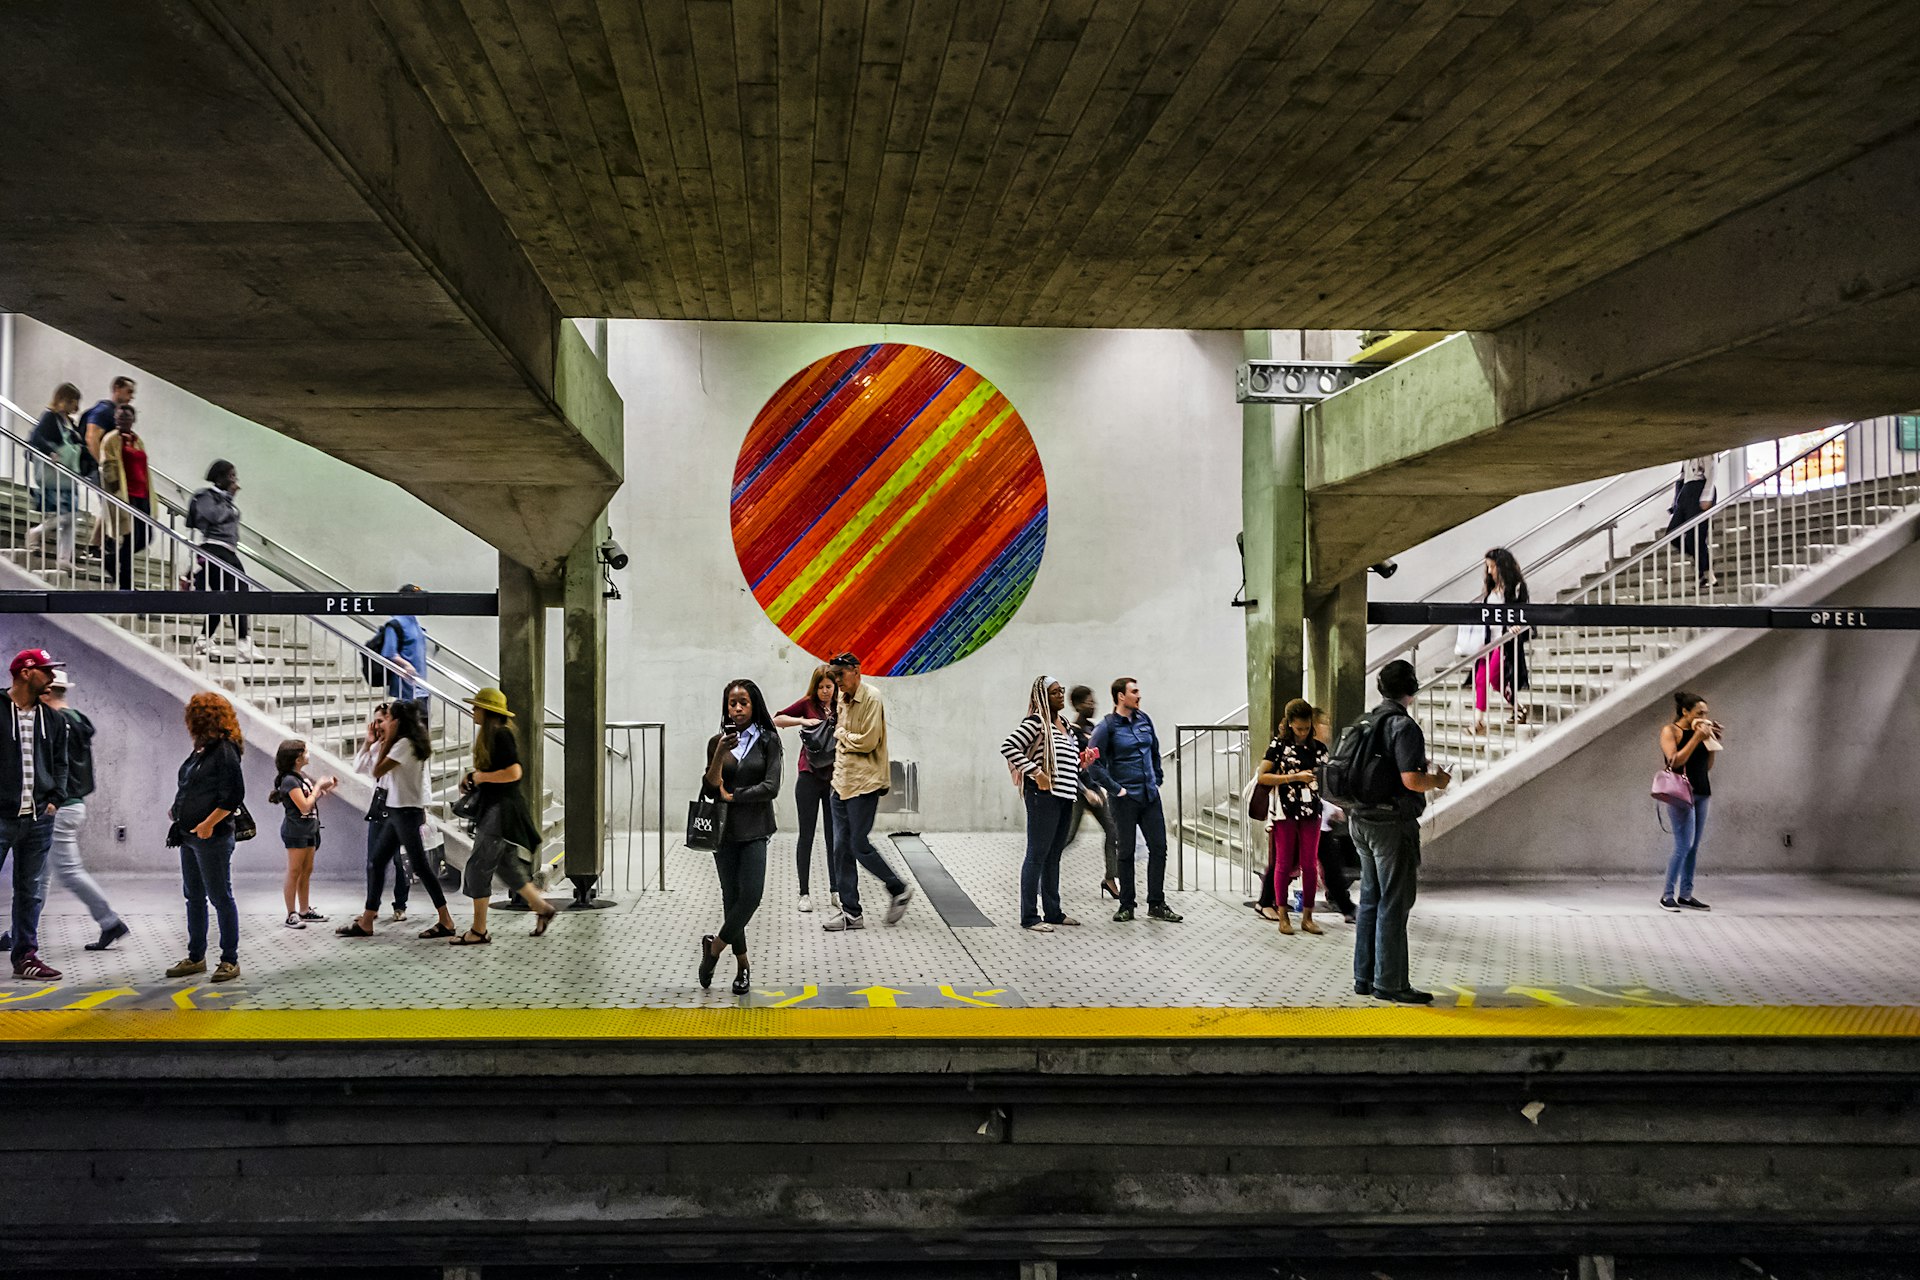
x,y
1164,912
1405,997
708,960
1693,904
1363,988
742,979
110,935
1668,904
6,942
1123,916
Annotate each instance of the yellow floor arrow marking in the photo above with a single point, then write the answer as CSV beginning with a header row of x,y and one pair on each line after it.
x,y
1639,995
879,997
1466,995
184,999
946,989
29,995
1542,994
807,992
97,998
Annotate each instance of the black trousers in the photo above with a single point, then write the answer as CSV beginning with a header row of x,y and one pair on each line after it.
x,y
121,550
211,577
814,795
1686,506
1138,816
400,830
1103,814
743,879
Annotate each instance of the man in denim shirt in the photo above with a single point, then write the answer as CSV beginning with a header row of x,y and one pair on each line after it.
x,y
1131,751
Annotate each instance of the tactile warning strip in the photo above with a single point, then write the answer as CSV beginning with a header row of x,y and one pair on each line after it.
x,y
737,1024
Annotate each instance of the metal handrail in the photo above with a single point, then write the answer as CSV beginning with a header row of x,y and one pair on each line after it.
x,y
195,550
314,579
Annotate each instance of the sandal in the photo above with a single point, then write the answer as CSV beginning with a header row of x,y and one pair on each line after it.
x,y
545,918
1268,914
472,939
438,931
353,930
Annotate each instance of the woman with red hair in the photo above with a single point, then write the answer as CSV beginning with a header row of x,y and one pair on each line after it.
x,y
210,790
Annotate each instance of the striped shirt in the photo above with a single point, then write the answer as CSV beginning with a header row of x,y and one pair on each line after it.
x,y
1019,749
23,725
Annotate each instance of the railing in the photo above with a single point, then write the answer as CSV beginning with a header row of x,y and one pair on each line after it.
x,y
1767,534
1212,763
303,671
635,757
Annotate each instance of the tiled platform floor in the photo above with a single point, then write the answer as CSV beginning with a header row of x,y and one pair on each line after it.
x,y
1771,940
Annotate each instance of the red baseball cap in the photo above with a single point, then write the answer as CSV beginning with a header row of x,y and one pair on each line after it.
x,y
32,660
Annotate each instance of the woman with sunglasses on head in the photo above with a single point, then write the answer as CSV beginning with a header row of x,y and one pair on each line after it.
x,y
744,761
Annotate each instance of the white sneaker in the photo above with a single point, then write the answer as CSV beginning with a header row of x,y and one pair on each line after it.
x,y
295,922
1710,581
806,902
398,915
842,922
897,905
201,647
248,650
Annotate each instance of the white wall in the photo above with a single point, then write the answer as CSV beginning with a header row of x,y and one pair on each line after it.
x,y
364,531
1140,437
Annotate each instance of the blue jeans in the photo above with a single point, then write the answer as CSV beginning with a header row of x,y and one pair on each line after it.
x,y
1136,815
851,842
1688,826
1047,819
28,840
206,875
1389,882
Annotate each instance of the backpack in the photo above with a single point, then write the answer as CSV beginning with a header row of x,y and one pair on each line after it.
x,y
370,666
1359,771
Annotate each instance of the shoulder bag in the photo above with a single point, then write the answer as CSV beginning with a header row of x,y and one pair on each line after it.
x,y
706,821
818,744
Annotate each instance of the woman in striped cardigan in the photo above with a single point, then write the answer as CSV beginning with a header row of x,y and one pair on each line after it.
x,y
1044,755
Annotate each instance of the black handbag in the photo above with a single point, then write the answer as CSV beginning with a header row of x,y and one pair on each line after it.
x,y
818,743
244,827
706,820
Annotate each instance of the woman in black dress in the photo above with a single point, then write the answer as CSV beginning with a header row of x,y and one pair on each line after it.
x,y
743,773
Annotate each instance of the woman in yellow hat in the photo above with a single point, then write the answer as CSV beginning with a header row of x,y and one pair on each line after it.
x,y
505,836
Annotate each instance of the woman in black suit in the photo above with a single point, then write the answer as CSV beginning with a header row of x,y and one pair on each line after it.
x,y
743,772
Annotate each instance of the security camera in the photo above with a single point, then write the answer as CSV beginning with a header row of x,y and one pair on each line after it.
x,y
1386,568
613,555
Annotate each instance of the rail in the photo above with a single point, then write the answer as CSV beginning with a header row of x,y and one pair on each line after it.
x,y
630,782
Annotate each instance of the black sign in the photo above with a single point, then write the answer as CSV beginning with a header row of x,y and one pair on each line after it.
x,y
1738,617
319,604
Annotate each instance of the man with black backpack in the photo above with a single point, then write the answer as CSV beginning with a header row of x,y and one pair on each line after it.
x,y
1379,774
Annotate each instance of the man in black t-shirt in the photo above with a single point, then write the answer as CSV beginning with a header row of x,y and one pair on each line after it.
x,y
1387,837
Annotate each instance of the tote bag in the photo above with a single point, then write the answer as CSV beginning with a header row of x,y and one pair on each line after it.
x,y
706,819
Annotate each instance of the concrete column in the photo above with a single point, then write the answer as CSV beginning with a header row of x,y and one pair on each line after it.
x,y
586,713
1273,508
523,669
1337,652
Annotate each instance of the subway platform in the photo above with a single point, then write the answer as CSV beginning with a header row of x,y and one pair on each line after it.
x,y
1596,1076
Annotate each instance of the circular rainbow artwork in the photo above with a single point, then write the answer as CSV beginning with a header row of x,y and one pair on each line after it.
x,y
889,501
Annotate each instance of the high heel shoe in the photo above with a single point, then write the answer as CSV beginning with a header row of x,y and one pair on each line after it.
x,y
1111,889
742,979
708,961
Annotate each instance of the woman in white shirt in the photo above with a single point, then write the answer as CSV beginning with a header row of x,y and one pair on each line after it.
x,y
402,767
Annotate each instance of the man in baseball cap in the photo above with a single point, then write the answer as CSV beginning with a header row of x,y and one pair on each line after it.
x,y
33,786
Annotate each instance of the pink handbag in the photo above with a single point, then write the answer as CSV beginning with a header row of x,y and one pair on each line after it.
x,y
1673,789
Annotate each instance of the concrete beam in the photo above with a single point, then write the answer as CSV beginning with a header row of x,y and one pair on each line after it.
x,y
265,210
1795,314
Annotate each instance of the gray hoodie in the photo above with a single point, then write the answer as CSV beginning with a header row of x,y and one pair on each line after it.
x,y
215,514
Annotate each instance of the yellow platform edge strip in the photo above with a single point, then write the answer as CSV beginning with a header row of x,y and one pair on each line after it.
x,y
1024,1025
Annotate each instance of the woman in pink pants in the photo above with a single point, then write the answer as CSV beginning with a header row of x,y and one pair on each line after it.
x,y
1294,812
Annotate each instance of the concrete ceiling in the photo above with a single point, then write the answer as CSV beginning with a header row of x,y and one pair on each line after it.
x,y
1436,164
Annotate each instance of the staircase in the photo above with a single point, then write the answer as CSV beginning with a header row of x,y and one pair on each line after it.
x,y
1787,529
303,672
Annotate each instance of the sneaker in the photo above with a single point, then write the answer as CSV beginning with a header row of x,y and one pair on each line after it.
x,y
842,922
1692,904
1068,921
1123,916
1405,997
1164,912
897,905
6,941
110,935
806,902
251,652
1710,580
836,902
312,915
295,922
187,968
399,915
202,647
35,968
1668,904
226,971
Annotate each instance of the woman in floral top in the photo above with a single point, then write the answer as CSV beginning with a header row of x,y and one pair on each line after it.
x,y
1294,811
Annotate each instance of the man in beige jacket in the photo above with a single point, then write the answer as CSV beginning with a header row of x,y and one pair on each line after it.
x,y
860,778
